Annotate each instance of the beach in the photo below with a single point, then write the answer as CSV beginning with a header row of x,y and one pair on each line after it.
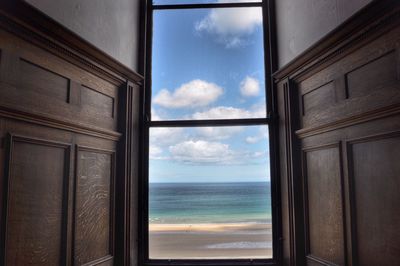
x,y
210,240
210,221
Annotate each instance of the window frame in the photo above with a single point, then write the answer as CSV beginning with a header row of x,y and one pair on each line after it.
x,y
271,120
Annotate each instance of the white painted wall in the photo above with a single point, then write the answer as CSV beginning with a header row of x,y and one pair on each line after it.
x,y
301,23
110,25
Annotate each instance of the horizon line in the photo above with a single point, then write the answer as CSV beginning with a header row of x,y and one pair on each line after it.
x,y
219,182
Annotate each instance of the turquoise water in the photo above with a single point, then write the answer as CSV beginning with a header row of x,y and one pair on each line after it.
x,y
182,203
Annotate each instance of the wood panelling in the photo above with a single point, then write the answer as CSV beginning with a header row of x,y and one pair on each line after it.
x,y
375,173
8,69
37,82
43,82
94,206
317,99
323,189
365,80
374,75
38,177
97,103
348,91
57,195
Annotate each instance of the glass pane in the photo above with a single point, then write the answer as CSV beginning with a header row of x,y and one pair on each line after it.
x,y
209,194
208,64
177,2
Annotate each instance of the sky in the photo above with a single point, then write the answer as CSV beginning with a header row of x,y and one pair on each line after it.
x,y
208,64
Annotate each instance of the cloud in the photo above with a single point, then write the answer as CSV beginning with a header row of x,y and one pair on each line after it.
x,y
195,93
209,152
201,151
227,112
252,140
249,87
218,133
231,25
263,134
155,116
163,136
155,152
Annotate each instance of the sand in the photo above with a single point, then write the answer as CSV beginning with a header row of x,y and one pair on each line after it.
x,y
210,241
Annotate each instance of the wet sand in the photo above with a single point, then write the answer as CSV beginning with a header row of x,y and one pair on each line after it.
x,y
212,241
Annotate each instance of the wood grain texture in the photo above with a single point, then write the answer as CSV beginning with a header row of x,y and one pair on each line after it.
x,y
37,82
348,90
323,189
319,98
29,23
54,86
36,216
93,206
374,75
371,81
95,102
42,81
375,174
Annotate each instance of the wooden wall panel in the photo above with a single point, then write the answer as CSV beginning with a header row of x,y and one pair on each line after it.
x,y
34,81
375,173
317,99
37,191
43,82
56,89
347,88
323,189
97,103
362,81
374,75
94,206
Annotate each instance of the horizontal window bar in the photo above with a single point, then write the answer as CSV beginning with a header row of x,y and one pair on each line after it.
x,y
210,5
234,262
208,123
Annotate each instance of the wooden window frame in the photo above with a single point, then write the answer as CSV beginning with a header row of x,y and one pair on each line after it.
x,y
271,120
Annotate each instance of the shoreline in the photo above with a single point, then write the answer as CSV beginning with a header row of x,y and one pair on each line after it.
x,y
213,227
210,241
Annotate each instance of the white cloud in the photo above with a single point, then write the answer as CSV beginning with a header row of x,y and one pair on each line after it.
x,y
263,134
258,154
218,133
249,87
252,140
154,115
208,152
201,151
231,25
155,152
227,112
192,94
164,136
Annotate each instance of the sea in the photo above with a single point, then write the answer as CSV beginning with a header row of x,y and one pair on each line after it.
x,y
196,203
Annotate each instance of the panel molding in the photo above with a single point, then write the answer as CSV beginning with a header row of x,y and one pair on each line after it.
x,y
112,154
387,111
365,38
56,122
293,170
305,150
350,183
27,22
376,18
65,211
321,261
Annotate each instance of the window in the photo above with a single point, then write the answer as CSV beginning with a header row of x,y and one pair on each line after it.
x,y
209,177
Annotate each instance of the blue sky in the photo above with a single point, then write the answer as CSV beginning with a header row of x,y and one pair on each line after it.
x,y
208,64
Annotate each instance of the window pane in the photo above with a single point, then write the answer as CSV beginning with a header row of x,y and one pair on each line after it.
x,y
209,195
176,2
208,64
